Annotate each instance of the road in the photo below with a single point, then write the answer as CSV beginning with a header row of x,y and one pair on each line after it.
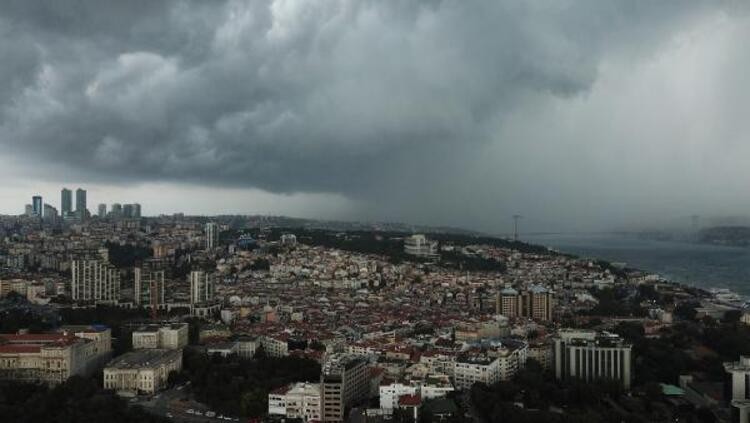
x,y
175,403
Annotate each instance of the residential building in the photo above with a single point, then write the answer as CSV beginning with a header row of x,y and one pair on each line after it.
x,y
94,280
536,303
289,239
142,371
588,355
739,384
201,287
102,211
296,401
420,246
469,369
148,287
212,235
344,382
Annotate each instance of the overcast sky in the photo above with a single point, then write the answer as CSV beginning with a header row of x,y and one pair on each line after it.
x,y
577,114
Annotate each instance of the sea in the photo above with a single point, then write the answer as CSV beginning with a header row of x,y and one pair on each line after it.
x,y
701,265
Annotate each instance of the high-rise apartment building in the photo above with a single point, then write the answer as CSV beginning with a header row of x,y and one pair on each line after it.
x,y
94,280
536,303
136,210
148,282
212,235
102,211
201,287
739,383
344,382
66,202
589,356
36,206
81,202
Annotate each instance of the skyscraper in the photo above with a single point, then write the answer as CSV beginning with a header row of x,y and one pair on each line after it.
x,y
36,206
66,201
116,210
50,213
102,212
212,235
137,210
81,201
127,210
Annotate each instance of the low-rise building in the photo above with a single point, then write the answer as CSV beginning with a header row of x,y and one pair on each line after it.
x,y
296,401
142,371
46,358
172,336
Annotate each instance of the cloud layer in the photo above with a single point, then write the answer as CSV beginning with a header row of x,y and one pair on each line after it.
x,y
411,108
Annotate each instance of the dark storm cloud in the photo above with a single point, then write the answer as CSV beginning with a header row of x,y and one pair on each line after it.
x,y
351,97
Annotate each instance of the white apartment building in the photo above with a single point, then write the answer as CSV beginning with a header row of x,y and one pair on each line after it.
x,y
499,363
94,281
274,347
171,337
297,401
142,371
471,369
147,283
588,355
288,239
212,235
201,287
420,246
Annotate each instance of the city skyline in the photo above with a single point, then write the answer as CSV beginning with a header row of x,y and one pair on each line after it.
x,y
589,116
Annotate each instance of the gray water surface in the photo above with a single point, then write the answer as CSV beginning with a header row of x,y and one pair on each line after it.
x,y
701,265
